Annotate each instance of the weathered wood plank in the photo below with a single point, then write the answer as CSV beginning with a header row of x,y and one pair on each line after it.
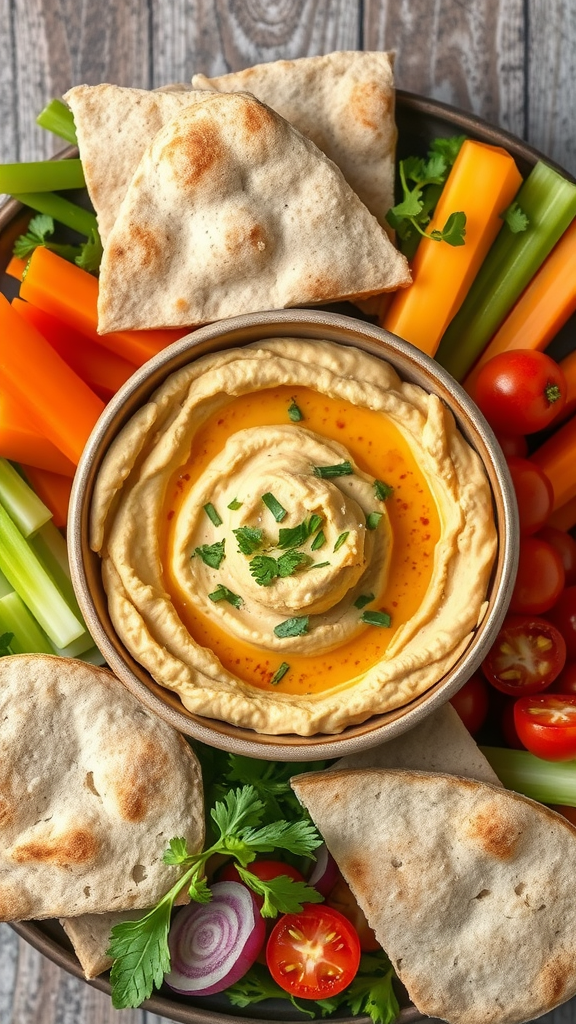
x,y
469,53
9,132
551,79
216,37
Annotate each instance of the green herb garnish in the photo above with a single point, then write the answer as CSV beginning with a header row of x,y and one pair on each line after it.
x,y
274,506
223,594
5,641
265,568
372,520
293,538
319,565
280,673
318,542
212,514
515,218
294,412
211,554
382,490
39,234
297,626
340,540
376,618
328,472
234,505
249,539
363,599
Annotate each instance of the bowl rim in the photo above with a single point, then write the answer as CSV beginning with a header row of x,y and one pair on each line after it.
x,y
292,322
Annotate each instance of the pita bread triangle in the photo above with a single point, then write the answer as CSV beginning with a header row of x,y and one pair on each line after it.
x,y
231,210
343,102
468,886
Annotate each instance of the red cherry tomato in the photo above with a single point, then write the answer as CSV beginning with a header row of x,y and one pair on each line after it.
x,y
540,578
313,954
513,445
520,391
342,899
471,703
546,724
526,657
566,547
566,682
563,615
534,494
508,726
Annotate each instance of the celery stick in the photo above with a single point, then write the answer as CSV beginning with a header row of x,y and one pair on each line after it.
x,y
550,782
58,118
15,618
19,500
5,587
50,548
25,572
549,201
93,657
43,176
77,648
60,209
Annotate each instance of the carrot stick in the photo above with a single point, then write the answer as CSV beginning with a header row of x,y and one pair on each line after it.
x,y
482,183
564,518
53,490
57,399
568,366
21,440
71,294
557,459
16,268
541,310
102,370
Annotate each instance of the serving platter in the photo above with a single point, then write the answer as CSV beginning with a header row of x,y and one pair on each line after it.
x,y
419,121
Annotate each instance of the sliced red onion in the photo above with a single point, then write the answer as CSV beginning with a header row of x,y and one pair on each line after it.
x,y
325,872
213,944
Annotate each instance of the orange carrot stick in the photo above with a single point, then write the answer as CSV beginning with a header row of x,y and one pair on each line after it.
x,y
568,366
100,369
58,400
564,518
53,490
558,460
541,310
21,440
71,295
16,268
482,183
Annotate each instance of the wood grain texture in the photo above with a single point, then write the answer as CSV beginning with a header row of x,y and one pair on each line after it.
x,y
551,79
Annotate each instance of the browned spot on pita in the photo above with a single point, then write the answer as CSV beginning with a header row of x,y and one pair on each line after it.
x,y
144,780
256,117
554,978
240,237
369,104
195,151
14,904
6,812
181,304
494,833
76,846
319,288
146,245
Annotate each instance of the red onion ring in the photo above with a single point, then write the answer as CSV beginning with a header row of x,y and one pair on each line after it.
x,y
325,872
213,944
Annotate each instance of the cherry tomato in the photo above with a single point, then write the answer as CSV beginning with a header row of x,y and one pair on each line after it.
x,y
313,954
520,391
566,547
342,899
563,615
526,657
540,578
534,494
566,682
471,703
546,724
513,444
508,726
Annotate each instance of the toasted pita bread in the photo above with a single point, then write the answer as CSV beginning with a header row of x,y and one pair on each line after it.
x,y
469,887
343,102
92,789
232,211
114,126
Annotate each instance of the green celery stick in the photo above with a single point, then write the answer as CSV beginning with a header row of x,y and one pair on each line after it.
x,y
27,575
549,782
15,618
549,201
42,176
50,548
58,118
60,209
93,657
19,500
5,587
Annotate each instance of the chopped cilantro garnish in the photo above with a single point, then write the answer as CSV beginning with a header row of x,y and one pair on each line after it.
x,y
327,472
249,539
296,626
280,673
515,218
265,569
234,505
372,520
294,411
293,538
363,599
340,540
211,554
319,565
376,618
382,490
318,542
212,514
274,506
223,594
5,641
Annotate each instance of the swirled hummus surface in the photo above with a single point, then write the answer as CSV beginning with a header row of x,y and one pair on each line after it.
x,y
292,538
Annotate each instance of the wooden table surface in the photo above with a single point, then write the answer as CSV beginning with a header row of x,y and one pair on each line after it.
x,y
512,62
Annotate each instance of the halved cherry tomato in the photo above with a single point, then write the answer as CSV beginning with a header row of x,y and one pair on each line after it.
x,y
520,391
565,546
566,682
313,954
471,703
534,494
540,578
546,724
343,900
526,657
563,615
513,444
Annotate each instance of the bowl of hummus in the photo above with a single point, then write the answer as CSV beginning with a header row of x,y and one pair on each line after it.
x,y
292,535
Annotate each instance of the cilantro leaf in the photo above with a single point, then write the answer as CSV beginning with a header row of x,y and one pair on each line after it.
x,y
297,535
515,218
257,985
271,781
363,600
212,514
141,955
453,231
234,504
319,541
382,490
39,233
274,506
372,992
298,837
40,229
328,472
281,894
279,674
90,255
240,808
223,594
198,889
211,554
265,568
296,626
372,520
376,618
292,560
449,148
294,412
341,539
177,852
249,539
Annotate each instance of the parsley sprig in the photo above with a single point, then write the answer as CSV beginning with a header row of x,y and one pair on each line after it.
x,y
140,948
39,234
265,568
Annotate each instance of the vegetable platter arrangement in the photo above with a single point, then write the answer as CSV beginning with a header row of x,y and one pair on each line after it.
x,y
277,880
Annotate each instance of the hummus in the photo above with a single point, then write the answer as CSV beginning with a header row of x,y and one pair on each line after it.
x,y
292,538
